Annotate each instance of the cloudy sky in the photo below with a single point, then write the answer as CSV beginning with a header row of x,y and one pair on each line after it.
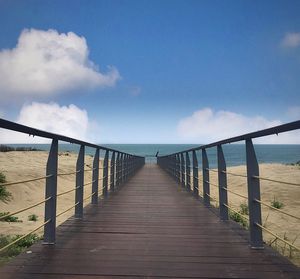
x,y
162,71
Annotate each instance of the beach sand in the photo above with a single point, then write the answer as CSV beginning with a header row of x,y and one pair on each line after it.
x,y
18,165
282,225
27,165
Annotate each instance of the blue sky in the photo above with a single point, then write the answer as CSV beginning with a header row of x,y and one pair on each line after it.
x,y
178,67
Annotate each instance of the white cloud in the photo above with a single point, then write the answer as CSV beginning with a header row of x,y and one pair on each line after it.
x,y
291,40
206,126
65,120
46,63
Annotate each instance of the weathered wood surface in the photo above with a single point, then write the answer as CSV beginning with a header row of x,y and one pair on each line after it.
x,y
151,228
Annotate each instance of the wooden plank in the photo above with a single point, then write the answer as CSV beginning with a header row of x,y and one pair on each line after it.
x,y
149,229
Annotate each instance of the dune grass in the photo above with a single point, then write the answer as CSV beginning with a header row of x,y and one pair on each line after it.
x,y
16,248
5,196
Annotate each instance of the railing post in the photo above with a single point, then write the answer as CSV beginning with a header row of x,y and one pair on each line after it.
x,y
122,167
182,170
195,174
79,183
134,164
169,165
95,184
222,184
126,168
177,168
51,192
133,160
112,172
132,170
166,159
188,171
129,165
118,170
256,237
205,174
105,174
173,164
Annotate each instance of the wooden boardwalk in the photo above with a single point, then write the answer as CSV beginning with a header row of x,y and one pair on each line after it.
x,y
149,229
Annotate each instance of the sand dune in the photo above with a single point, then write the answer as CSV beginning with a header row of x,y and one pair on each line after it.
x,y
282,225
31,164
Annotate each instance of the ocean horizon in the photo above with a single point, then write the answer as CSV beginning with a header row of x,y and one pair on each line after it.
x,y
235,154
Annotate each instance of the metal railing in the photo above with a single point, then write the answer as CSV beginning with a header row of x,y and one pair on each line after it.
x,y
178,165
120,165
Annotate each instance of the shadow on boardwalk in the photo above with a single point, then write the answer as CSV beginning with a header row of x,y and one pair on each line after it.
x,y
150,228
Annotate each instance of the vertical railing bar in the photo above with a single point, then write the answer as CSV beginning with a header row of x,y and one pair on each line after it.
x,y
126,167
105,174
205,175
188,171
120,169
112,171
95,184
179,169
51,191
129,166
256,238
182,170
79,183
123,168
176,167
117,170
222,178
195,175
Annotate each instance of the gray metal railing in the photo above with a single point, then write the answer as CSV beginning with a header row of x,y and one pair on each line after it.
x,y
117,168
178,165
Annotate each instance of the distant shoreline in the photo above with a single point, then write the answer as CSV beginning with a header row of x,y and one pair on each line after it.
x,y
234,153
7,148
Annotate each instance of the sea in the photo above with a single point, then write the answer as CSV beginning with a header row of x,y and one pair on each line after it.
x,y
235,154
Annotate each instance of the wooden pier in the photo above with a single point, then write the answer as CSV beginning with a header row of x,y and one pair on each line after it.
x,y
150,228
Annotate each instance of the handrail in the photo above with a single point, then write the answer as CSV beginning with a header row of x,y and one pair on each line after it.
x,y
9,125
183,167
261,133
116,170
